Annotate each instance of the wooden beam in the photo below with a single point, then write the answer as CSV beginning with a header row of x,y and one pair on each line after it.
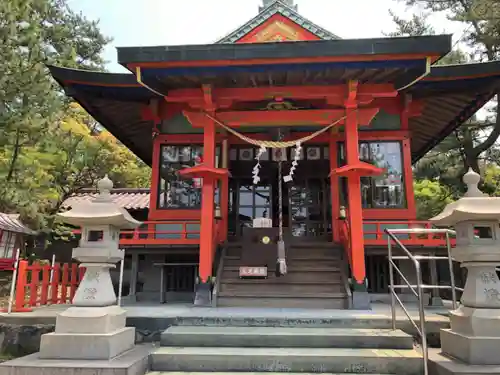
x,y
281,118
280,60
224,97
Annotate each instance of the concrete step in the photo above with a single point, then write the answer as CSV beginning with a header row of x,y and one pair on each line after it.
x,y
316,360
291,262
293,268
314,252
237,373
259,337
298,255
304,277
283,287
285,293
303,319
281,281
282,302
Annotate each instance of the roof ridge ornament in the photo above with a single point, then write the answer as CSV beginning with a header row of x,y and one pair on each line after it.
x,y
472,179
288,3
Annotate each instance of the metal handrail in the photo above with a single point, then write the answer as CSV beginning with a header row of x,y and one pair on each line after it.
x,y
391,233
344,272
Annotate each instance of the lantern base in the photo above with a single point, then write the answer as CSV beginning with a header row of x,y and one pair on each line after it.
x,y
442,364
469,349
88,333
476,322
132,362
474,337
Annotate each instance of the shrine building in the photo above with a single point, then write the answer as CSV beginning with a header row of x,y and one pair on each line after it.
x,y
279,156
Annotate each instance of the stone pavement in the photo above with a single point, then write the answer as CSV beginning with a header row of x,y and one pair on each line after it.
x,y
379,312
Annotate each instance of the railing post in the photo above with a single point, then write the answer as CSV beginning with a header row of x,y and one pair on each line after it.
x,y
14,280
425,352
391,283
73,281
22,283
184,230
45,284
120,281
452,273
64,284
54,285
35,273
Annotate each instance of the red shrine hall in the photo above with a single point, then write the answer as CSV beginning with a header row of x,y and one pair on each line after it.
x,y
279,155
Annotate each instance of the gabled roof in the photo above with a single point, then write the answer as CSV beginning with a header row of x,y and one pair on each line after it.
x,y
130,199
278,7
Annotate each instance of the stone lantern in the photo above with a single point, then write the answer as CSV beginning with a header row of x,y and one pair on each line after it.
x,y
95,327
474,337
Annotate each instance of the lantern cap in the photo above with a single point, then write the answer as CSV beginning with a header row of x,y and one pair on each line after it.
x,y
474,206
100,211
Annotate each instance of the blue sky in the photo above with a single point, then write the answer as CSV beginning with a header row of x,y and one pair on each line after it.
x,y
174,22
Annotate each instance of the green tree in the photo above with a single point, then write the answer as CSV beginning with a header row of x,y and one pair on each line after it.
x,y
74,156
34,33
438,175
50,149
482,37
431,197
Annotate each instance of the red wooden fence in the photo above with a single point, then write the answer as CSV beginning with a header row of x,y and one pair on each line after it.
x,y
34,288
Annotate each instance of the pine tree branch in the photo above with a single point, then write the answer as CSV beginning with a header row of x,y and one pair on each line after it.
x,y
492,137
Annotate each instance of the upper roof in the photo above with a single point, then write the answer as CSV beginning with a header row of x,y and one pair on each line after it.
x,y
186,56
379,60
273,8
450,95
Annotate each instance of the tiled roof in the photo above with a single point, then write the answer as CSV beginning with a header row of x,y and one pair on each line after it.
x,y
11,223
284,10
130,199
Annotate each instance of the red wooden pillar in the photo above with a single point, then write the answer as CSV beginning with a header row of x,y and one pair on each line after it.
x,y
354,198
224,191
355,216
407,170
155,178
334,187
207,226
207,204
152,113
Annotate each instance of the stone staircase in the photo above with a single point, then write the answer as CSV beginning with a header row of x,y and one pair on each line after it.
x,y
315,279
271,346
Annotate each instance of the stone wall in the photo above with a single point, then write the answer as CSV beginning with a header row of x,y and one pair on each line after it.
x,y
20,340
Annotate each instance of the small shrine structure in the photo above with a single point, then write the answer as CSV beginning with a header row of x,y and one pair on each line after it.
x,y
13,235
